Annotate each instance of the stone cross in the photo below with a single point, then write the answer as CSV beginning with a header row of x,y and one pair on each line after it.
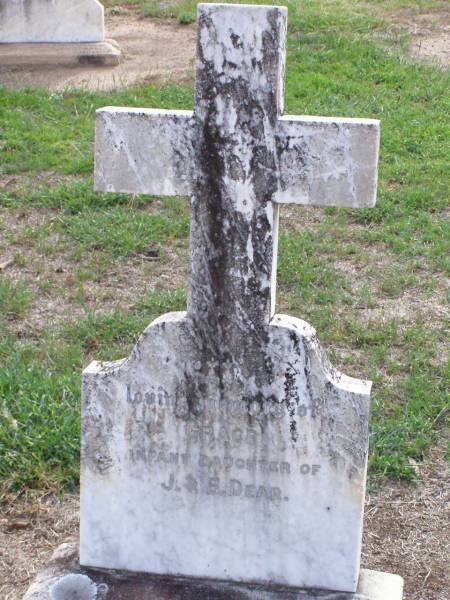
x,y
239,159
226,445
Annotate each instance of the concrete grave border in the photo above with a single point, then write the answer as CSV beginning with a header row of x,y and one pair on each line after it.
x,y
64,42
113,585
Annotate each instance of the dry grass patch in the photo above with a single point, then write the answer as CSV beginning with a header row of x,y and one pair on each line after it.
x,y
406,530
36,253
30,530
428,30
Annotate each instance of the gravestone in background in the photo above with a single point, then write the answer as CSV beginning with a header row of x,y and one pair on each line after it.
x,y
51,21
76,26
226,447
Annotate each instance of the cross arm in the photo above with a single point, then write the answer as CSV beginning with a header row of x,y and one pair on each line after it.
x,y
326,161
143,151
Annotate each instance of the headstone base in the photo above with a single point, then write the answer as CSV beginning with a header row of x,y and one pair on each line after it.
x,y
106,54
64,578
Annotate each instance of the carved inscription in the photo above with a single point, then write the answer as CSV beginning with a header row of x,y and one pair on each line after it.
x,y
222,452
215,486
252,465
214,472
218,463
147,401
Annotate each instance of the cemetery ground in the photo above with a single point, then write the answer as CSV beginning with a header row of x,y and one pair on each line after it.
x,y
82,274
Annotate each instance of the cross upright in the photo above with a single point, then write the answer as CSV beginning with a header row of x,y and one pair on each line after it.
x,y
239,159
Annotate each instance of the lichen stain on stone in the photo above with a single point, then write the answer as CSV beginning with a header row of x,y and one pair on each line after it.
x,y
97,427
291,400
225,231
289,154
342,435
75,586
27,4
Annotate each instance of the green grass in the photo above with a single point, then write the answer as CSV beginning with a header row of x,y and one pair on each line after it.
x,y
122,232
43,131
39,407
331,271
40,390
15,299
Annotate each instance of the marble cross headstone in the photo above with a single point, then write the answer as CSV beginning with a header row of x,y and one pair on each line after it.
x,y
226,446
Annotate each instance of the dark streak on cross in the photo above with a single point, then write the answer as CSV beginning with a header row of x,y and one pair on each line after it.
x,y
239,159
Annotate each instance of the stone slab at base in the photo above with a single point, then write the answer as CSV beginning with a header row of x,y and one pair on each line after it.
x,y
105,54
63,578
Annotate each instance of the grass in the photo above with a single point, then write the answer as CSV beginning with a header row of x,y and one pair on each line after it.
x,y
40,390
15,298
371,281
122,231
39,405
44,130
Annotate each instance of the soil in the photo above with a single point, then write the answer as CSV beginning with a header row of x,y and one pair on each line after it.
x,y
429,32
405,532
152,50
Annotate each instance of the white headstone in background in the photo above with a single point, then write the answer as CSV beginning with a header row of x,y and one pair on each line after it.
x,y
226,446
46,21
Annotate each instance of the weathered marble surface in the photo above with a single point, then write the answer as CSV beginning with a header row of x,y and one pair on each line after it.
x,y
144,151
190,469
51,21
226,446
324,161
63,571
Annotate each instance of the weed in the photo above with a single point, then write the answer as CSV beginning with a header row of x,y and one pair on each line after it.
x,y
185,18
15,298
